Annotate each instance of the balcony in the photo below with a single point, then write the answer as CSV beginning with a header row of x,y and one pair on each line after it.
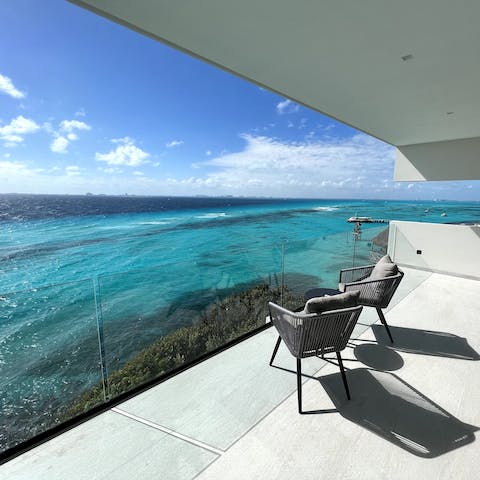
x,y
413,411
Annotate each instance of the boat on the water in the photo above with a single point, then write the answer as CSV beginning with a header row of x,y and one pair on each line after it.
x,y
367,220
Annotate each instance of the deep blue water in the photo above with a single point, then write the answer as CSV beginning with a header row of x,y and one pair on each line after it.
x,y
145,265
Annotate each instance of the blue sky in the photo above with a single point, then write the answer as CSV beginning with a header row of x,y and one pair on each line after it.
x,y
89,106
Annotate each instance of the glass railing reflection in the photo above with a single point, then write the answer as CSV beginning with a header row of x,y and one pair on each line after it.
x,y
67,348
49,355
158,319
315,263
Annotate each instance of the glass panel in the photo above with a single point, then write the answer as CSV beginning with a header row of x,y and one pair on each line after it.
x,y
158,319
314,263
49,356
369,244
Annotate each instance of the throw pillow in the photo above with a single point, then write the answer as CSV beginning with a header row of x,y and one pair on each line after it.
x,y
384,268
335,302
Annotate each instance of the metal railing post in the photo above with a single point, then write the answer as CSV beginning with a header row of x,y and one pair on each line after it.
x,y
282,293
100,333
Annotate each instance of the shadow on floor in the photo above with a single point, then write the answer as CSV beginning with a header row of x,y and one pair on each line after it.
x,y
378,357
394,410
426,342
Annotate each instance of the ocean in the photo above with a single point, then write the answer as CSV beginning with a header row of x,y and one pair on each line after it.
x,y
141,267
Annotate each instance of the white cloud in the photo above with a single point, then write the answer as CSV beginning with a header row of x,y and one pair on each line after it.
x,y
70,125
12,140
14,132
208,153
287,106
174,143
318,168
66,134
16,169
59,145
80,112
138,173
360,169
6,86
123,140
127,153
72,171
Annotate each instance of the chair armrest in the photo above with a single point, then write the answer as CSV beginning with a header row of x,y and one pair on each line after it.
x,y
294,319
349,275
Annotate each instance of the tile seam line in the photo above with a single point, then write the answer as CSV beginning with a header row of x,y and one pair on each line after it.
x,y
168,431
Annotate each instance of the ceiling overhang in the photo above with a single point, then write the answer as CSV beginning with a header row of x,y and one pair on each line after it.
x,y
449,160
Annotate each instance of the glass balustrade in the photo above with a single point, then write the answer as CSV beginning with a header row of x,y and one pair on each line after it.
x,y
67,348
49,355
158,319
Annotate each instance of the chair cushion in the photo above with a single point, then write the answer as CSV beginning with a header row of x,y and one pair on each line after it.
x,y
384,268
334,302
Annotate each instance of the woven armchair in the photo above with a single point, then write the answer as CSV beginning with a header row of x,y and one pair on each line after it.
x,y
373,293
313,334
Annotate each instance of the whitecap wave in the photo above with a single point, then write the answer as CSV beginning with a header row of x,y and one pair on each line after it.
x,y
326,209
117,227
154,223
213,215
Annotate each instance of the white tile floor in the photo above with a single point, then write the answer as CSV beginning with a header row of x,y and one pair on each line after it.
x,y
233,416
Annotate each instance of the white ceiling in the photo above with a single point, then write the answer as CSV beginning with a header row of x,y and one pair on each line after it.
x,y
340,57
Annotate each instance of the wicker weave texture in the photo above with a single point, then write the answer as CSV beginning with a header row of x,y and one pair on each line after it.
x,y
349,275
373,293
307,335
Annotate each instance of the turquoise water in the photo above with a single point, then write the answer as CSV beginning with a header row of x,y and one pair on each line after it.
x,y
143,274
56,250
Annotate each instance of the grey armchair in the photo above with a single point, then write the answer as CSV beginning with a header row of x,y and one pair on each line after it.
x,y
376,285
316,333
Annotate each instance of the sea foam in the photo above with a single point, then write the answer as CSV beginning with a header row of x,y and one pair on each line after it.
x,y
326,209
212,215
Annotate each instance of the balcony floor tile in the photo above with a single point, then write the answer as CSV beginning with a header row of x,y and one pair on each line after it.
x,y
110,446
413,414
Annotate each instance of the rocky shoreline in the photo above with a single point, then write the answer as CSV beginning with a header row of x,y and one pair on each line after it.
x,y
220,323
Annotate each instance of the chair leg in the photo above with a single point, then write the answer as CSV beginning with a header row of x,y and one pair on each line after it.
x,y
344,377
299,385
275,350
382,319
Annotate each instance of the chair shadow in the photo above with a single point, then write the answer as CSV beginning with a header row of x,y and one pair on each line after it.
x,y
426,342
379,357
391,408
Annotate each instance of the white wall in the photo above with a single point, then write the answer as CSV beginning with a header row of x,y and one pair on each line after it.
x,y
453,249
448,160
